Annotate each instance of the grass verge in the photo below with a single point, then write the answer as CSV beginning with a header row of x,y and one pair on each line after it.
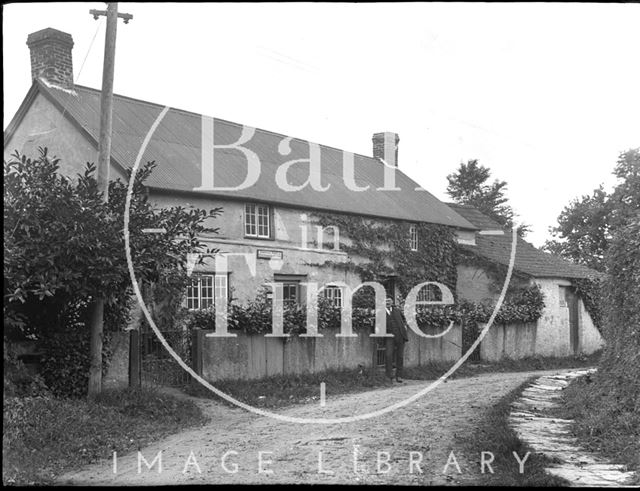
x,y
606,418
494,434
44,436
280,390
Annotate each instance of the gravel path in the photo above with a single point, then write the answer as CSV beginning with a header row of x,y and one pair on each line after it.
x,y
425,431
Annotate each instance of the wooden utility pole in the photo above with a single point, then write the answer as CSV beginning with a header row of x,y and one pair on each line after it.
x,y
96,319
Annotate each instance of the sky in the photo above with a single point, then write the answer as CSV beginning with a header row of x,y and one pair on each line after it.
x,y
546,95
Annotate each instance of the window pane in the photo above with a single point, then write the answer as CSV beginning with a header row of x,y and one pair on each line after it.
x,y
250,220
413,238
290,292
192,294
334,295
429,293
206,291
263,221
221,290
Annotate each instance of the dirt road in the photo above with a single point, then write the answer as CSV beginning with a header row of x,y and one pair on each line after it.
x,y
410,445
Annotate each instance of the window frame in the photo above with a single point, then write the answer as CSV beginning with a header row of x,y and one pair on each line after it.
x,y
428,294
333,297
213,277
294,280
252,219
413,237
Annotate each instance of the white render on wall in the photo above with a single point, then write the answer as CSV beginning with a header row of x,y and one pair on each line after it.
x,y
553,333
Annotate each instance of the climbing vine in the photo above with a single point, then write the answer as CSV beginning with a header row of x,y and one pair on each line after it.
x,y
590,291
385,246
379,248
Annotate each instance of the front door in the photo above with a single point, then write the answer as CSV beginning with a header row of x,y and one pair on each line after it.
x,y
572,304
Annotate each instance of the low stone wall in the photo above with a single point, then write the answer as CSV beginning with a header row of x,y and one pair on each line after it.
x,y
254,356
513,341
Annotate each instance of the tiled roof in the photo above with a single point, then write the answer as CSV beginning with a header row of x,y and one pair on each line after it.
x,y
176,147
475,216
529,259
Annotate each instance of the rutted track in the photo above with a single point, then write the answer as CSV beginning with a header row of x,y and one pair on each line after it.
x,y
429,427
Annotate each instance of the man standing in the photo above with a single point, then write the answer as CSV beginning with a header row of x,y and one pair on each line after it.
x,y
394,346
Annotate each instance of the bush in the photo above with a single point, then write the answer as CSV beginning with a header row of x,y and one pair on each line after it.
x,y
17,380
65,363
525,305
622,298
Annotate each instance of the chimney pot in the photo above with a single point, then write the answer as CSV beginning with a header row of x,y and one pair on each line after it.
x,y
51,56
385,147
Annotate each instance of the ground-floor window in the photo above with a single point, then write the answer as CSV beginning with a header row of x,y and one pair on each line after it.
x,y
292,289
205,288
334,295
429,293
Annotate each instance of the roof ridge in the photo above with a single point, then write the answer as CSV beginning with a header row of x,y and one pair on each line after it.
x,y
422,207
185,111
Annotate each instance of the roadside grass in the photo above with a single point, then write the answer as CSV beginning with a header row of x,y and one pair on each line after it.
x,y
279,391
606,418
494,435
44,436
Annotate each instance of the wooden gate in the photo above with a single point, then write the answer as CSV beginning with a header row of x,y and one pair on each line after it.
x,y
155,365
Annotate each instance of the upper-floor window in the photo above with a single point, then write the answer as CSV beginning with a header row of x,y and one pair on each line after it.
x,y
205,288
413,237
257,221
334,295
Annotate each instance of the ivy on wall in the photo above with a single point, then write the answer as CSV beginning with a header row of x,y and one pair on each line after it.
x,y
383,249
384,244
590,291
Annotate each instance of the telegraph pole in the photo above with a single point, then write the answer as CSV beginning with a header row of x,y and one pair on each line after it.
x,y
104,163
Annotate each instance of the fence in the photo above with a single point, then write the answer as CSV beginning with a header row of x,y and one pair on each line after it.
x,y
255,356
513,341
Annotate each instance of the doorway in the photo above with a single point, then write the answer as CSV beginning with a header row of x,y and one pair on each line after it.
x,y
389,283
572,299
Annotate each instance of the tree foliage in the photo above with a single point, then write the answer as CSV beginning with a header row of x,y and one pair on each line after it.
x,y
586,226
469,186
64,246
621,361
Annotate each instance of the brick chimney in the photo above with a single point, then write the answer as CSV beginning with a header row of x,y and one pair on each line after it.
x,y
385,146
51,56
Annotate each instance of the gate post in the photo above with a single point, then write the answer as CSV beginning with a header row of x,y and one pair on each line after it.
x,y
134,358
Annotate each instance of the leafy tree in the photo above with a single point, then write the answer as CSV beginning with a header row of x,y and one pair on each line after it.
x,y
64,246
468,186
586,226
